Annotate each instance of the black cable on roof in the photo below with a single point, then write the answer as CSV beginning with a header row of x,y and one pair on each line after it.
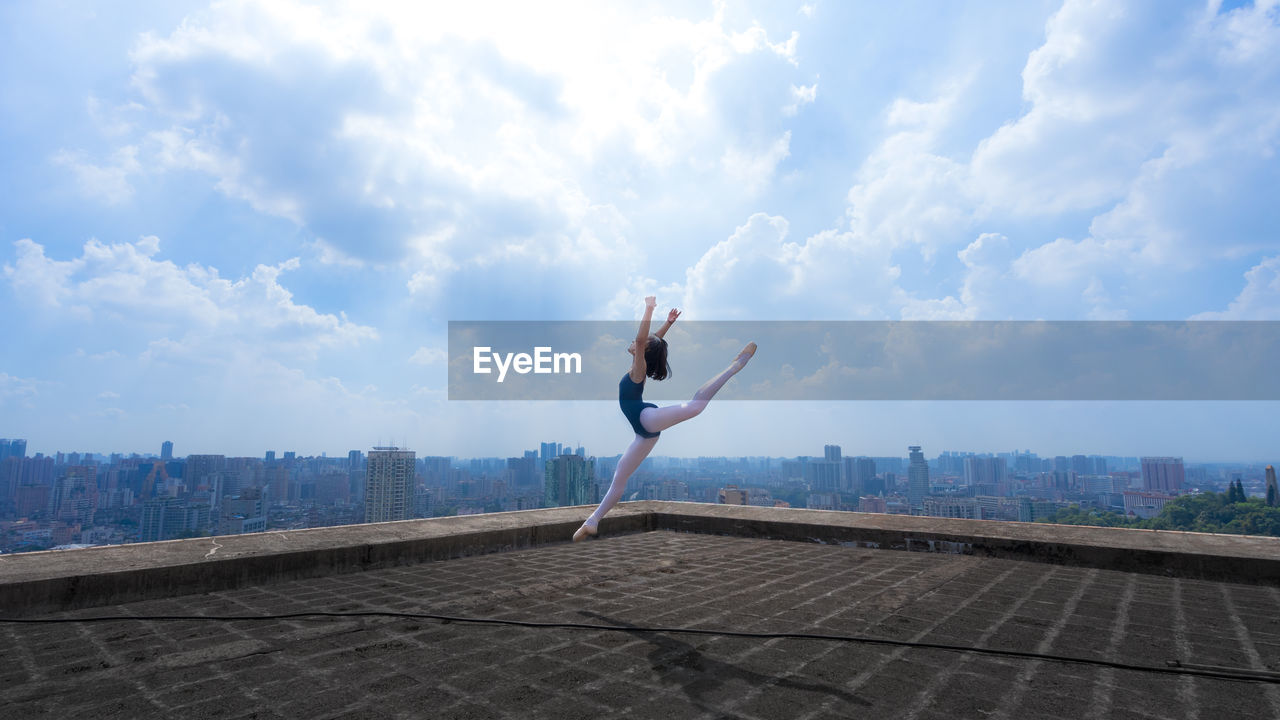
x,y
1173,667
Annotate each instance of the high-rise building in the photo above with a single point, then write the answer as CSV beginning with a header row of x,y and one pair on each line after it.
x,y
570,480
1081,465
822,476
162,519
388,485
521,471
166,450
12,448
860,476
917,479
1099,464
831,453
1026,462
1162,473
732,495
75,495
270,457
985,471
10,477
355,475
200,467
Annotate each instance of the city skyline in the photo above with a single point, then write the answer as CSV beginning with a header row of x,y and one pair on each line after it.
x,y
228,221
580,449
74,499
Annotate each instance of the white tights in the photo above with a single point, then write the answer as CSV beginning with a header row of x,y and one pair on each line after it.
x,y
657,420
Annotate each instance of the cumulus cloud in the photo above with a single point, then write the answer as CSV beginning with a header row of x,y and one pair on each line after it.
x,y
908,194
428,356
1260,298
756,273
506,140
1156,125
801,95
13,387
108,181
1155,117
126,284
754,169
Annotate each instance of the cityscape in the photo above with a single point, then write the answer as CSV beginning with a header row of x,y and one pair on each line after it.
x,y
78,499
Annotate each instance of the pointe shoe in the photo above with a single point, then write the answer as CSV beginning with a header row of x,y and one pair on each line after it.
x,y
747,352
583,532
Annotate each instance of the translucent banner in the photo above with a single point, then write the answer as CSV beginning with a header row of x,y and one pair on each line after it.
x,y
876,360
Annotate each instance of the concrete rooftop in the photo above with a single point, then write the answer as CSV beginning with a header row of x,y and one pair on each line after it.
x,y
639,576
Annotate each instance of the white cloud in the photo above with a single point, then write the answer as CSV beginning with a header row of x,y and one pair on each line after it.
x,y
1260,298
97,357
428,356
108,182
124,283
755,273
1159,123
754,169
327,254
907,194
510,138
12,387
801,95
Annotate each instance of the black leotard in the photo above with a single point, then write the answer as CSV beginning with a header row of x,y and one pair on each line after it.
x,y
629,394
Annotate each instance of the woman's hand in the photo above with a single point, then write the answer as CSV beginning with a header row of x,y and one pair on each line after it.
x,y
671,316
651,302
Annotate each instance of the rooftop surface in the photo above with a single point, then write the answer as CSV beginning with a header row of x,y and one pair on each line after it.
x,y
384,667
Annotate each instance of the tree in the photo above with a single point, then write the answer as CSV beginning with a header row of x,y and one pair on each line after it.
x,y
1235,493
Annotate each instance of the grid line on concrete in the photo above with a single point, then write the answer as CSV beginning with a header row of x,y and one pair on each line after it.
x,y
1272,692
1102,694
943,679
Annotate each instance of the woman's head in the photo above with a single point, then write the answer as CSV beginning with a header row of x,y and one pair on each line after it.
x,y
655,357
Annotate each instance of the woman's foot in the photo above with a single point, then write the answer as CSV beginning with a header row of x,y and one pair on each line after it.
x,y
584,531
746,354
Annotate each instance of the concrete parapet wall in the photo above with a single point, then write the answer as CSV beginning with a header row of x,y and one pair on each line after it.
x,y
1228,558
40,582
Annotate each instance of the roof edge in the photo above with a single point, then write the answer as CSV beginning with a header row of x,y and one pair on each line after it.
x,y
56,580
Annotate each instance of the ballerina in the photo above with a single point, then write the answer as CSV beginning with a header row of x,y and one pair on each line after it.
x,y
649,420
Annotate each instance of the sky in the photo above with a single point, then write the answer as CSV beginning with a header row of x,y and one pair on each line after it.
x,y
244,226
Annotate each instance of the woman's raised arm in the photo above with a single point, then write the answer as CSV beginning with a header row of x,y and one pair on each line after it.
x,y
671,318
638,366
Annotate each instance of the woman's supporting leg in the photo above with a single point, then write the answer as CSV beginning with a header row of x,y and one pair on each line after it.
x,y
659,419
627,464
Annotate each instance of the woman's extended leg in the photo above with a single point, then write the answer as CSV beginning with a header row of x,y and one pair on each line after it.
x,y
659,419
627,464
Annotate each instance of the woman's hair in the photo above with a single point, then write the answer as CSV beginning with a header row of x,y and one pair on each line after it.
x,y
655,358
